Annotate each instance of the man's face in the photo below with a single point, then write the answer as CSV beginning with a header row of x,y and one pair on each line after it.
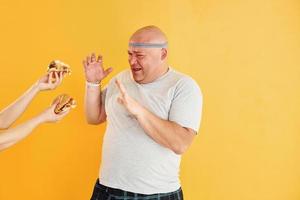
x,y
144,63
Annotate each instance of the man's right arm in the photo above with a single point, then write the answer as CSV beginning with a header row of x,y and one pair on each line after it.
x,y
94,105
94,97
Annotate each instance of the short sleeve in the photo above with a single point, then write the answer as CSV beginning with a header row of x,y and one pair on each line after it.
x,y
107,89
186,106
103,94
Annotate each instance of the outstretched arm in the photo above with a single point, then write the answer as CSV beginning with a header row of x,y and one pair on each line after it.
x,y
10,114
11,136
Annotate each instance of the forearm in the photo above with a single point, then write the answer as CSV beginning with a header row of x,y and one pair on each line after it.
x,y
11,136
93,104
166,133
14,110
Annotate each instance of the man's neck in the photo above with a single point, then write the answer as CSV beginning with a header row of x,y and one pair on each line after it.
x,y
163,70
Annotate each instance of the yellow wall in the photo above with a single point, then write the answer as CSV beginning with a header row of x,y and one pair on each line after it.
x,y
244,54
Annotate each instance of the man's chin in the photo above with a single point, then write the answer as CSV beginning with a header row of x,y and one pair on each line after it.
x,y
138,80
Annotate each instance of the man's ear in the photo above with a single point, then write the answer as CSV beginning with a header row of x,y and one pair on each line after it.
x,y
164,53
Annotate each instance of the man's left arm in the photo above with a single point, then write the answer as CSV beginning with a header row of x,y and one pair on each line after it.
x,y
165,132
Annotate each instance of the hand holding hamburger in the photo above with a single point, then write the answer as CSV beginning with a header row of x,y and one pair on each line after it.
x,y
63,102
59,67
56,71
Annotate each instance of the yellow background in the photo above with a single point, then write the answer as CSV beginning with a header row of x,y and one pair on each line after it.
x,y
245,55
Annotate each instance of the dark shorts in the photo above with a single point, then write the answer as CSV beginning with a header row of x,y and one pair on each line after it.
x,y
102,192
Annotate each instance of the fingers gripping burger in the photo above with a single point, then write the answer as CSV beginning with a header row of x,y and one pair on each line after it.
x,y
63,101
58,66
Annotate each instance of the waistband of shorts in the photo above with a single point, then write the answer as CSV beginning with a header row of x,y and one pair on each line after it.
x,y
119,192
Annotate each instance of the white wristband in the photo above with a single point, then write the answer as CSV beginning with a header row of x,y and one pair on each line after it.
x,y
93,84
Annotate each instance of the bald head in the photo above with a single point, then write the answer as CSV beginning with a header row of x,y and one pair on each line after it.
x,y
147,54
148,34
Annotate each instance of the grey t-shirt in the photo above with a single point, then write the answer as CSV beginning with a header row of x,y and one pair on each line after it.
x,y
131,160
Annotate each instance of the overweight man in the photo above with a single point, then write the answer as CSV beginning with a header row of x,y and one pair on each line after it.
x,y
152,112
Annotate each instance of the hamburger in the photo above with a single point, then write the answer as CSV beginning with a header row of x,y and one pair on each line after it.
x,y
58,66
63,101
